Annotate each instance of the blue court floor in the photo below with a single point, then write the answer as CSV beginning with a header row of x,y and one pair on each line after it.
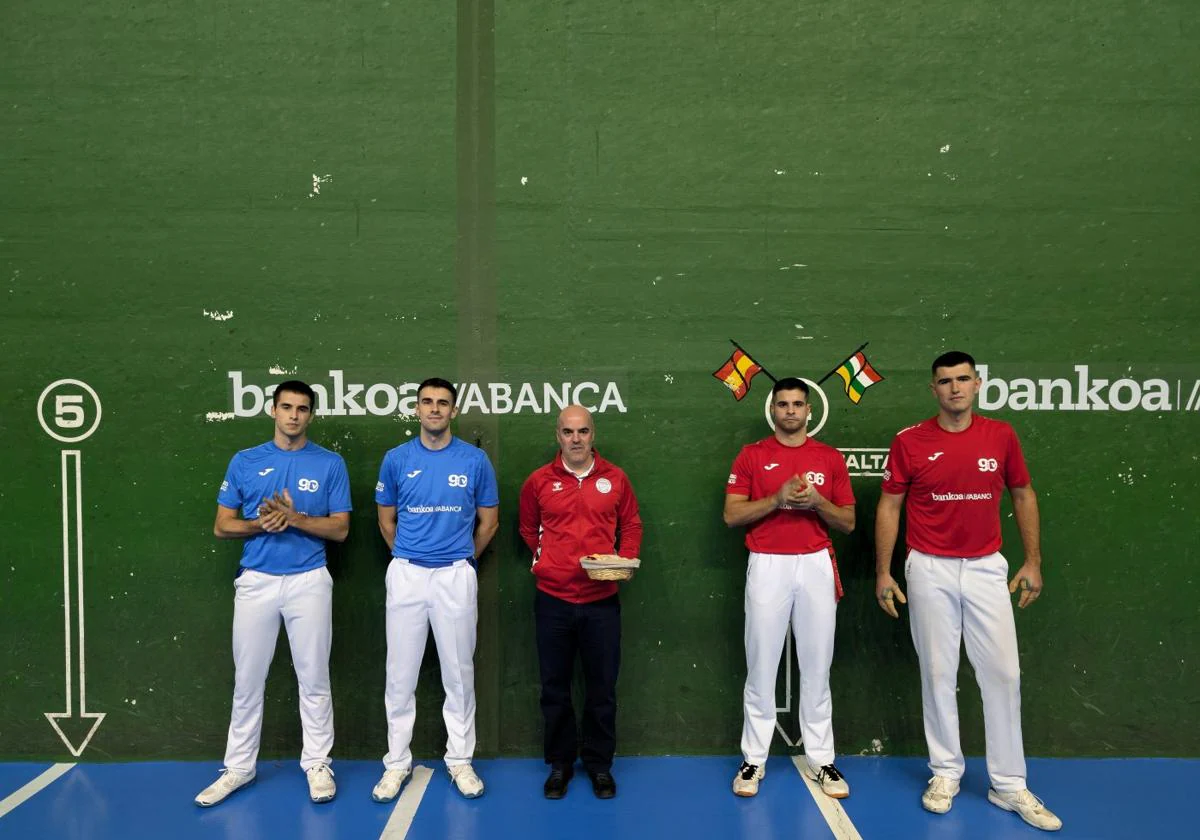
x,y
671,798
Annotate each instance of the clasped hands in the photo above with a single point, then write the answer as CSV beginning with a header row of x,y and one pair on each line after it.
x,y
797,494
277,513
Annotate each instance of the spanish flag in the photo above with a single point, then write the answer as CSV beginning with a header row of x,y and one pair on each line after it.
x,y
737,373
858,375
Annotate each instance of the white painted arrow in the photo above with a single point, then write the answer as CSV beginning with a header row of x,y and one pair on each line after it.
x,y
72,503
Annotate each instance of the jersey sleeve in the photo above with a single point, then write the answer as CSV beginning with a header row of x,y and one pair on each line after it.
x,y
530,516
896,477
486,492
840,493
739,476
230,494
385,488
339,487
629,521
1016,474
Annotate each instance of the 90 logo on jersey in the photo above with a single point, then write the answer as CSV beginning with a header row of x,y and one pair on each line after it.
x,y
815,478
457,480
988,465
308,485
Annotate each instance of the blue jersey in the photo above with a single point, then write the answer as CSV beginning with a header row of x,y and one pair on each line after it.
x,y
319,485
435,493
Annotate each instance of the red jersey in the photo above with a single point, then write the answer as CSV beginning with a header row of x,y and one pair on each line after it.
x,y
954,481
761,468
564,517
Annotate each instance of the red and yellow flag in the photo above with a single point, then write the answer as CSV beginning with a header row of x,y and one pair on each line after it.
x,y
737,373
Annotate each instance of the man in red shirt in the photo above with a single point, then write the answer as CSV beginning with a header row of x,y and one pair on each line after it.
x,y
788,490
952,470
576,505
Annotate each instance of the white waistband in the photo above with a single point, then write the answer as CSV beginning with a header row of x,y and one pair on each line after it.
x,y
408,562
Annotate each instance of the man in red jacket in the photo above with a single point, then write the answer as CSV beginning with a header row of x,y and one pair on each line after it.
x,y
576,505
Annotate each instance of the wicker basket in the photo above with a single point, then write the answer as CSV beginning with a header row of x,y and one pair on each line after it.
x,y
613,567
610,574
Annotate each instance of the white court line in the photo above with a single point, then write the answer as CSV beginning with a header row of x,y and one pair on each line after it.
x,y
406,806
832,810
47,778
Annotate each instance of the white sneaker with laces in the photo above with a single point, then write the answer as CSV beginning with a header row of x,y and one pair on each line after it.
x,y
465,779
388,787
226,783
745,781
831,780
939,796
1028,807
321,787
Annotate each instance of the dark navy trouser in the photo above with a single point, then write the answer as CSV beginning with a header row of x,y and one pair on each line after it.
x,y
593,633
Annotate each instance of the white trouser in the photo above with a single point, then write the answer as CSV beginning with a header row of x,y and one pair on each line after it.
x,y
305,603
445,597
952,598
780,587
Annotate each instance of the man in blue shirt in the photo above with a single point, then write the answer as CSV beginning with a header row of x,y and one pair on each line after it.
x,y
438,509
284,498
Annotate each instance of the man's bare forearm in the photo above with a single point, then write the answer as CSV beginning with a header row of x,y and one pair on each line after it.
x,y
335,527
484,537
838,517
1029,523
743,512
234,529
887,529
486,526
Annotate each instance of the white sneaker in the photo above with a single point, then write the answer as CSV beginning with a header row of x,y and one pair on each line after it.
x,y
321,787
1029,807
389,785
745,782
831,780
226,783
939,796
468,784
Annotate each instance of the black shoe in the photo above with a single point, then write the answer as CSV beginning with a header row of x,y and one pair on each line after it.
x,y
603,784
556,782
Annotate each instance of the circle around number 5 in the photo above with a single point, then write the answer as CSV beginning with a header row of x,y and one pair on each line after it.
x,y
70,410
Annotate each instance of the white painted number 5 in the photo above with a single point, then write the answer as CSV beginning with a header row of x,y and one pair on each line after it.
x,y
457,480
68,411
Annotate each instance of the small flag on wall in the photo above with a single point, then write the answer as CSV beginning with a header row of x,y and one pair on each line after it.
x,y
858,375
737,372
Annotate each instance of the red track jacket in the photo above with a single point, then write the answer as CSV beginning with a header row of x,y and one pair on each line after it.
x,y
564,517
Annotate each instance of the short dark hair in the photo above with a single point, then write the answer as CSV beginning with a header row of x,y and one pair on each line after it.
x,y
295,386
438,382
790,383
953,358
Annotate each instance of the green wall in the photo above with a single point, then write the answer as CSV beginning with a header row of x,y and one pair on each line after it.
x,y
605,192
